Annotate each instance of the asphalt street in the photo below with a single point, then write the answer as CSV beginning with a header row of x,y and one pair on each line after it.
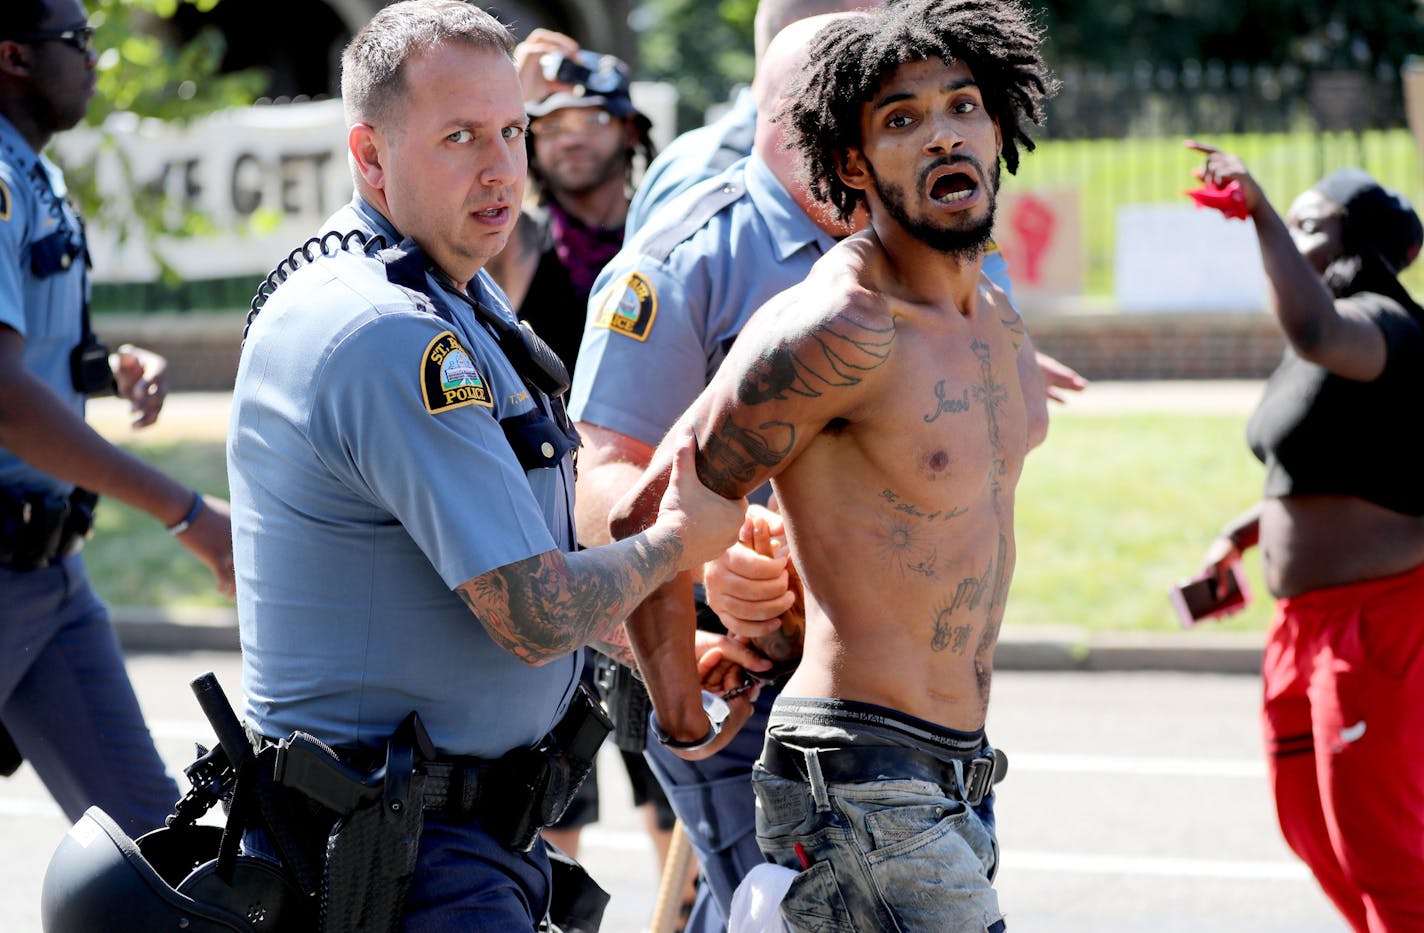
x,y
1134,802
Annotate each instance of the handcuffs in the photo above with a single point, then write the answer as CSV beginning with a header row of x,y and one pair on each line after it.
x,y
717,712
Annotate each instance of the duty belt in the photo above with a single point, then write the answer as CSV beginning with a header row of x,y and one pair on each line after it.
x,y
451,786
859,763
39,529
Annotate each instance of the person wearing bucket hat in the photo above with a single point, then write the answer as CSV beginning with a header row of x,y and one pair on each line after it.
x,y
1341,532
584,140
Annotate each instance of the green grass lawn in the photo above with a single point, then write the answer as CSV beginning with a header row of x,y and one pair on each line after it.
x,y
132,560
1111,510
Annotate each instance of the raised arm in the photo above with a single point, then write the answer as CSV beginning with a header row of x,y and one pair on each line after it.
x,y
1330,333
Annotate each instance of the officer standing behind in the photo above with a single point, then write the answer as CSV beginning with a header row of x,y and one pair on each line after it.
x,y
64,694
394,441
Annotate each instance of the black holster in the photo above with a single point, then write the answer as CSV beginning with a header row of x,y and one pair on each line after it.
x,y
39,529
628,703
530,788
371,850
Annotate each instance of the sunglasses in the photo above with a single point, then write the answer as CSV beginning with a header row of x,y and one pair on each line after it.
x,y
586,121
79,38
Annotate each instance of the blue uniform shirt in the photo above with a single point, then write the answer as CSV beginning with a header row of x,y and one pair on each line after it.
x,y
42,301
693,157
370,476
665,310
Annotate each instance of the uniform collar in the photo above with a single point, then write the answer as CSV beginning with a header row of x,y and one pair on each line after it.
x,y
791,228
14,143
18,148
378,221
481,288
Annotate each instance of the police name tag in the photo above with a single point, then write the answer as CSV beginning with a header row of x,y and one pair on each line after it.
x,y
629,306
448,378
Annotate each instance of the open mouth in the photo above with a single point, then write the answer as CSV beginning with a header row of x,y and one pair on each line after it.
x,y
952,188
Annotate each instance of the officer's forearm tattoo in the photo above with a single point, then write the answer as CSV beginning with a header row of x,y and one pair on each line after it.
x,y
549,605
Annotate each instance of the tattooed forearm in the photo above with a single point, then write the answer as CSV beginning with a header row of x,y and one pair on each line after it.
x,y
546,606
836,353
621,653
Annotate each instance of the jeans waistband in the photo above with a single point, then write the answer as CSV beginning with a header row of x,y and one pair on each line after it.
x,y
969,779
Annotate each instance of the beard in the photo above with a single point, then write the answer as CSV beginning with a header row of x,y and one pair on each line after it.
x,y
574,182
962,239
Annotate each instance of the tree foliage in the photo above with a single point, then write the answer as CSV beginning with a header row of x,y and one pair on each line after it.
x,y
144,73
704,49
1307,33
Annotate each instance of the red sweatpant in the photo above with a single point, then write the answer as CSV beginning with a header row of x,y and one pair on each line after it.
x,y
1344,723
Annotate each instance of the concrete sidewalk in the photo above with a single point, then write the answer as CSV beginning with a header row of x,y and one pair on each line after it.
x,y
204,416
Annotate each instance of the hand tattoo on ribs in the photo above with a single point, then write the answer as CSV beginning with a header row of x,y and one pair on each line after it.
x,y
834,354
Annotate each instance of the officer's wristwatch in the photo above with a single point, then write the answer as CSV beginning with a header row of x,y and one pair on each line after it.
x,y
717,712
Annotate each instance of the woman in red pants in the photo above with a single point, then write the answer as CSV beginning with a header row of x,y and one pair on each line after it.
x,y
1341,530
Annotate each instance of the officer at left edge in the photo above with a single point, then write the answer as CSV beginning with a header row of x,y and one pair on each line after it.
x,y
65,697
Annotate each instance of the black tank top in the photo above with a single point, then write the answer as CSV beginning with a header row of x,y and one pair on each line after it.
x,y
1322,434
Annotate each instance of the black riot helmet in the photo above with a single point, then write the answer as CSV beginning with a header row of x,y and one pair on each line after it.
x,y
100,879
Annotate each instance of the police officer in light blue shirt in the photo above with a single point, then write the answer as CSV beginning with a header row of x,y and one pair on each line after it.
x,y
418,491
401,469
65,698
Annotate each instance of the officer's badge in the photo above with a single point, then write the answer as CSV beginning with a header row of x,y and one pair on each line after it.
x,y
4,202
448,378
628,307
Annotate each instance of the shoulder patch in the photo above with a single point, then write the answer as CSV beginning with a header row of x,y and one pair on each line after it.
x,y
448,378
629,306
4,201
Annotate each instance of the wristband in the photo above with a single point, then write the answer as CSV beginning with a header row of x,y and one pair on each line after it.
x,y
717,712
187,520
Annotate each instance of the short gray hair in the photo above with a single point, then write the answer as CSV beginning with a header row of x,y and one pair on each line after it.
x,y
373,64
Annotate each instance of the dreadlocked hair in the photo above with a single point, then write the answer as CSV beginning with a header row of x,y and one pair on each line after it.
x,y
851,57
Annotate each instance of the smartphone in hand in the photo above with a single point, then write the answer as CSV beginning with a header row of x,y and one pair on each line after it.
x,y
1205,597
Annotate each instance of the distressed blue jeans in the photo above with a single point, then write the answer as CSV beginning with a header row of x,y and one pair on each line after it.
x,y
899,854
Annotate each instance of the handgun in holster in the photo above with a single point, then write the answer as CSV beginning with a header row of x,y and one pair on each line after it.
x,y
628,703
530,788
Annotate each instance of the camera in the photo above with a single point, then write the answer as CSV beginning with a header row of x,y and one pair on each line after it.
x,y
598,74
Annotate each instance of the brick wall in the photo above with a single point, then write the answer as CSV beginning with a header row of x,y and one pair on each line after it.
x,y
202,349
1246,345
